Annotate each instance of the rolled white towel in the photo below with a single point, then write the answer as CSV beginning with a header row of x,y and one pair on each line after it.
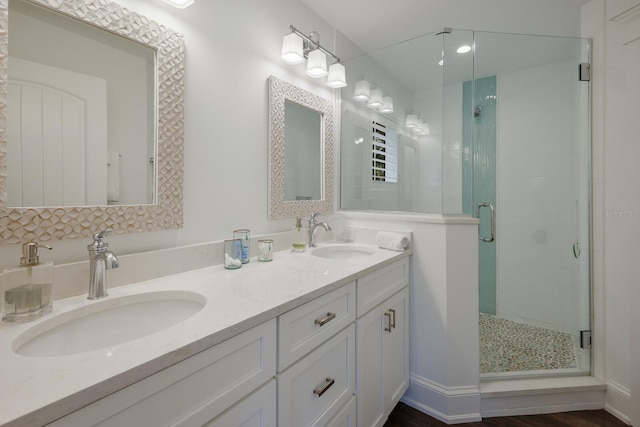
x,y
394,241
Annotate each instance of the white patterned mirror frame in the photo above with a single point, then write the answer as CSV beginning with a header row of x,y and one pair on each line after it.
x,y
279,208
19,225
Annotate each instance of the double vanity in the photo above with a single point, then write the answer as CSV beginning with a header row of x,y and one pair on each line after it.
x,y
309,339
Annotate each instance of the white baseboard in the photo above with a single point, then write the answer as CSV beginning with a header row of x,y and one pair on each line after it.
x,y
451,405
618,402
455,405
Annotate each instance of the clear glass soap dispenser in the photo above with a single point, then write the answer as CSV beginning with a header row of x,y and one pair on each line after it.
x,y
27,288
299,236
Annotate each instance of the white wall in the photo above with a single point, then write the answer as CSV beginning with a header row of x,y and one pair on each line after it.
x,y
616,206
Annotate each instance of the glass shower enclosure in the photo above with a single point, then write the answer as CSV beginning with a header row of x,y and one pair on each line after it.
x,y
493,126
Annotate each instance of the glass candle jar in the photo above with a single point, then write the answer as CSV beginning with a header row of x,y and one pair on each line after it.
x,y
232,254
243,235
265,250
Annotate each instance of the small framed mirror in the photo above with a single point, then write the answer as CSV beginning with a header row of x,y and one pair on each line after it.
x,y
300,152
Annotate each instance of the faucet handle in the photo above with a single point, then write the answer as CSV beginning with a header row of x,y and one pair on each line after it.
x,y
101,235
98,243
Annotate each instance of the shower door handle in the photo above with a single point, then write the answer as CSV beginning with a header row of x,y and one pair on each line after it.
x,y
493,222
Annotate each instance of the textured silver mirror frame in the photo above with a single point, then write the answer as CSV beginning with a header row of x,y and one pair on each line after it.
x,y
279,208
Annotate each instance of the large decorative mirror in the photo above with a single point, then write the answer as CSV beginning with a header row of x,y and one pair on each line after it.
x,y
300,152
108,150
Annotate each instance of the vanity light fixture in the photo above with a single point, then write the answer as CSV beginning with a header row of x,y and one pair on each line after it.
x,y
416,125
292,50
375,100
297,46
411,121
316,64
387,105
180,4
336,77
362,92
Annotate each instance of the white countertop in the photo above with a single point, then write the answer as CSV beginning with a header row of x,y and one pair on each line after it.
x,y
38,390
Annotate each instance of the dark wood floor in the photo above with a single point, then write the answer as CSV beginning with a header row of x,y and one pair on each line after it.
x,y
405,416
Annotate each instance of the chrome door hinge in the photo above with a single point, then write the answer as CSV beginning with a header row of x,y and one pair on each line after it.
x,y
584,73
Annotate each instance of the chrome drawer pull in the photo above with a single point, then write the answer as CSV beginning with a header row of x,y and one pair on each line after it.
x,y
393,316
388,316
329,318
321,389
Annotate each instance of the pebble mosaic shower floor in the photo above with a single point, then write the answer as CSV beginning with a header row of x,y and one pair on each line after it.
x,y
508,346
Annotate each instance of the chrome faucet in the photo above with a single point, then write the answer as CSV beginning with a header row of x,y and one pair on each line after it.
x,y
101,259
313,227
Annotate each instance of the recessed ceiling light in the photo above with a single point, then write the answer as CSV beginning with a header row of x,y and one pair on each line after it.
x,y
464,48
441,62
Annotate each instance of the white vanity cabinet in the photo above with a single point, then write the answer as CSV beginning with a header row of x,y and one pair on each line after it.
x,y
197,390
382,330
338,360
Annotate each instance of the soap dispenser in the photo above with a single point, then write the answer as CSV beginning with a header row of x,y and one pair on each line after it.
x,y
27,288
299,236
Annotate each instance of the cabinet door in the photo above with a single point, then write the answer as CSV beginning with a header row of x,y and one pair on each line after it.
x,y
256,410
382,368
369,336
395,370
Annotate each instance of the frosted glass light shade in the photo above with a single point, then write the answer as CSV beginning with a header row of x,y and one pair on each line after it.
x,y
316,64
376,98
180,4
411,121
387,105
292,51
362,91
336,77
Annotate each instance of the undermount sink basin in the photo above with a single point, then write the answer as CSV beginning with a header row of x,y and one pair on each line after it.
x,y
108,322
342,251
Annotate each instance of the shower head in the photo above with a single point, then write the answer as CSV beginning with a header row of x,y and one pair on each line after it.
x,y
476,111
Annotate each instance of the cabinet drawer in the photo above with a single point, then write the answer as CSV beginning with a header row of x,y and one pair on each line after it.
x,y
346,417
306,327
381,284
257,410
313,390
191,392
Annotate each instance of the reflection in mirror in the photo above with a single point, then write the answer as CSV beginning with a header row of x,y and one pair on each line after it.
x,y
94,111
300,152
144,127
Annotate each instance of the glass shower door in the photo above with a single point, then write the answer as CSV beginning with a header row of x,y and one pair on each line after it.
x,y
525,121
